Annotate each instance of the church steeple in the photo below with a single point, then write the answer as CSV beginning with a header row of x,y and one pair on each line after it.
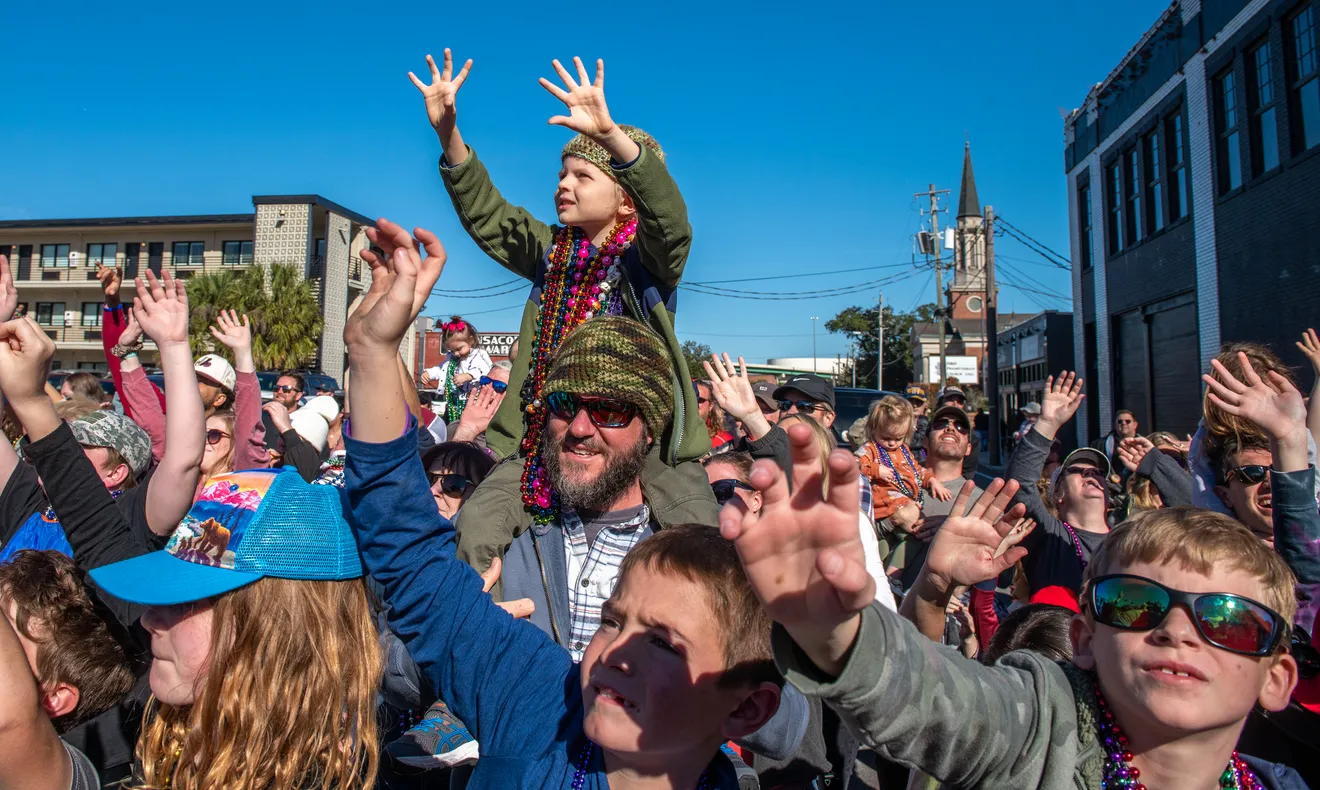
x,y
968,203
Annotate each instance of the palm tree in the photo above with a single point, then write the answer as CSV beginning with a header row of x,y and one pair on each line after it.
x,y
282,307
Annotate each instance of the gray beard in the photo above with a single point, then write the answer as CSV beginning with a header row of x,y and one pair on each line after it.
x,y
621,471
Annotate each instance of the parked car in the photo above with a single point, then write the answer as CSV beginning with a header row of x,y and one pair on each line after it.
x,y
849,404
57,378
313,383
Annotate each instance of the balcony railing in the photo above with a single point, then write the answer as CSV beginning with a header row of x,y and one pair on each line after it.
x,y
355,269
72,333
83,272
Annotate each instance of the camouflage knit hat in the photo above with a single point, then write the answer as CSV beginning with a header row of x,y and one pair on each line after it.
x,y
616,357
586,148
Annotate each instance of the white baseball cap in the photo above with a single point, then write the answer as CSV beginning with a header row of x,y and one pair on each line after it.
x,y
217,370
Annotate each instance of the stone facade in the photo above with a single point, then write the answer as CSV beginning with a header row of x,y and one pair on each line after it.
x,y
282,234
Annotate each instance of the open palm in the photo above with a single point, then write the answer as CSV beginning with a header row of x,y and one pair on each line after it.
x,y
968,549
1062,397
401,282
230,331
161,308
440,94
1275,405
788,546
585,99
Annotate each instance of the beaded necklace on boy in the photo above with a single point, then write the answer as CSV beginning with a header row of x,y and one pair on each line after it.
x,y
584,760
918,497
574,289
1121,774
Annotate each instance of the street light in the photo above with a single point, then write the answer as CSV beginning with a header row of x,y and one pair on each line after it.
x,y
815,368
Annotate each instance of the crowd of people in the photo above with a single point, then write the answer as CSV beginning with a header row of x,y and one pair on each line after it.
x,y
593,567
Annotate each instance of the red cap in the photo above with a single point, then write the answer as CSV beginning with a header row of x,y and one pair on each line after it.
x,y
1058,596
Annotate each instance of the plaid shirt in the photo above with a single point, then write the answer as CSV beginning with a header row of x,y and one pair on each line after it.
x,y
593,571
864,496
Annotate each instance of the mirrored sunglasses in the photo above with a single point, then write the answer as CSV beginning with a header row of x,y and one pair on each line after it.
x,y
603,412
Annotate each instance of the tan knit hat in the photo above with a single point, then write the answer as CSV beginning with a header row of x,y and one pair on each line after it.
x,y
586,148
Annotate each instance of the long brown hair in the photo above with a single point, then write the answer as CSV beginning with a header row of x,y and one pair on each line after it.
x,y
289,698
224,464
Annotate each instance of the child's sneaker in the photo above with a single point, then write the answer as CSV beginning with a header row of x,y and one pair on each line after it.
x,y
438,741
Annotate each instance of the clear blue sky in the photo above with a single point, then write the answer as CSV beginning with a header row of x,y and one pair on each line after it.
x,y
797,133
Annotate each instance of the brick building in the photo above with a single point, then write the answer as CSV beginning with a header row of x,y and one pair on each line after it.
x,y
1193,183
54,264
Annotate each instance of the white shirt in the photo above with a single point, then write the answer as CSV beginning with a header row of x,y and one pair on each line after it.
x,y
874,565
476,364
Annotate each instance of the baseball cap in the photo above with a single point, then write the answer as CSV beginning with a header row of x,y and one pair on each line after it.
x,y
1031,408
217,370
1088,454
950,410
915,392
245,526
814,387
765,393
108,429
951,391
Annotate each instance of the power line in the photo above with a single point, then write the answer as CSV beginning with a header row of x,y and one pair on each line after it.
x,y
1032,243
453,295
783,297
1042,287
805,274
739,292
476,290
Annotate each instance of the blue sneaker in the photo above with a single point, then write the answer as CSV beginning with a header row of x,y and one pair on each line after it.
x,y
438,741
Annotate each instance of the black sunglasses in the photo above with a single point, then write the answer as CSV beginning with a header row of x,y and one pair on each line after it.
x,y
726,488
286,388
945,422
1229,622
1085,471
451,484
214,435
1250,474
487,381
603,412
803,406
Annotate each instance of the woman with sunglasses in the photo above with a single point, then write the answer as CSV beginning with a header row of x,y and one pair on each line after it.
x,y
218,456
729,473
455,469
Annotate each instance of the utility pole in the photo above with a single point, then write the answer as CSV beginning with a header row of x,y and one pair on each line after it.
x,y
991,335
880,344
933,195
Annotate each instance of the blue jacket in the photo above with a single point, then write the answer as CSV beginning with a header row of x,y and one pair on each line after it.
x,y
516,690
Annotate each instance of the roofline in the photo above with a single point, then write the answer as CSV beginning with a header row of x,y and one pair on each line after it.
x,y
1098,88
314,200
110,222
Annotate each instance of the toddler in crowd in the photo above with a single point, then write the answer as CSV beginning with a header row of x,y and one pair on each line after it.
x,y
896,478
465,362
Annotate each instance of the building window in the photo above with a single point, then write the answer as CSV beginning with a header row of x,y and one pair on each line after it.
x,y
1084,225
91,313
101,254
1132,168
55,255
188,253
50,313
1178,190
1154,183
1303,84
1226,131
1260,105
1115,208
238,253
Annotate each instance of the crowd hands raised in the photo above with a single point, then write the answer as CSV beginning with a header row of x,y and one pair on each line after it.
x,y
577,573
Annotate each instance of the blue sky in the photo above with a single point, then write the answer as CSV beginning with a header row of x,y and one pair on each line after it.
x,y
797,138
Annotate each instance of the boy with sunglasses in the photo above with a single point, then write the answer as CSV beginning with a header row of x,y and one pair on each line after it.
x,y
1183,630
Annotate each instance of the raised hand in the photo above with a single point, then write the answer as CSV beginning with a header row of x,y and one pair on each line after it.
x,y
440,93
111,278
732,390
1275,405
587,111
230,331
25,354
1310,346
161,308
1132,451
1062,397
803,553
279,416
8,293
401,281
968,549
478,413
132,330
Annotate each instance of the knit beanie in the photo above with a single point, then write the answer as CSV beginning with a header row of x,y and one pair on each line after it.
x,y
616,357
586,148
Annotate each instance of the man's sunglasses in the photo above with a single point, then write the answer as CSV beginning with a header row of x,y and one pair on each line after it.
x,y
1251,474
451,484
286,388
214,435
1229,622
945,422
803,406
487,381
603,412
726,489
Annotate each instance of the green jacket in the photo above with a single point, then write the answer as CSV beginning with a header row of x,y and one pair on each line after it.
x,y
651,270
494,514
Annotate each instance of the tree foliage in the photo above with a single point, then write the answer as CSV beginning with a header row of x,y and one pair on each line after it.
x,y
859,323
694,353
280,303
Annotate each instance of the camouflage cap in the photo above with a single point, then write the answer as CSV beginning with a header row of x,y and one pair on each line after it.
x,y
107,429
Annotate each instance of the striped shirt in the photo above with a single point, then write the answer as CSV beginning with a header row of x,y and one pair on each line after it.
x,y
593,568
